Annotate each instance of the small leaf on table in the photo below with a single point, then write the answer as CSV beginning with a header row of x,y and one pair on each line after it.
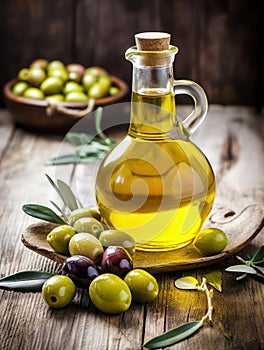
x,y
173,336
187,282
214,278
241,268
25,281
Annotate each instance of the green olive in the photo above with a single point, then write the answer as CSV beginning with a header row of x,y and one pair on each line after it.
x,y
113,90
58,291
76,96
95,213
143,286
23,74
19,88
88,80
55,98
36,76
105,80
33,93
39,63
52,85
59,73
210,241
118,238
98,90
96,71
86,244
83,213
55,64
59,238
72,86
89,225
110,294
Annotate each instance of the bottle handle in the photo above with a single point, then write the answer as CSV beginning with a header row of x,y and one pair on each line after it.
x,y
195,119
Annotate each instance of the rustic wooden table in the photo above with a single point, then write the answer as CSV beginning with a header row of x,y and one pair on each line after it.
x,y
232,138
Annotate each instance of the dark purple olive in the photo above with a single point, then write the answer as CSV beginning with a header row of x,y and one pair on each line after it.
x,y
81,270
116,260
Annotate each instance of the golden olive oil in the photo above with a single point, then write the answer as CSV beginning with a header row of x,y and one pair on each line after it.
x,y
154,184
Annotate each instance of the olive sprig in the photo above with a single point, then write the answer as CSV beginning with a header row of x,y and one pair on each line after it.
x,y
88,148
70,201
254,266
185,330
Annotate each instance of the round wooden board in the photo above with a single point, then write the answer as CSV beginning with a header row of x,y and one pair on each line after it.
x,y
240,229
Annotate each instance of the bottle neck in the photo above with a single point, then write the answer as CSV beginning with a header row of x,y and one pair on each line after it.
x,y
153,111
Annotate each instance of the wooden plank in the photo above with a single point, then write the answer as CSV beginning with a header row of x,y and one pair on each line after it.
x,y
240,173
6,131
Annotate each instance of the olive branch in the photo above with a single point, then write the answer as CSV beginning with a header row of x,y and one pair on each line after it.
x,y
185,330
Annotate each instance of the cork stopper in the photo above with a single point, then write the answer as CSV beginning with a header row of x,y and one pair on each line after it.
x,y
152,41
152,49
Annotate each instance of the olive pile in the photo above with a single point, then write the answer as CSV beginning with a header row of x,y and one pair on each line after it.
x,y
101,261
55,81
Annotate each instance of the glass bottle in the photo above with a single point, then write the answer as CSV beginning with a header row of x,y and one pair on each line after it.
x,y
155,184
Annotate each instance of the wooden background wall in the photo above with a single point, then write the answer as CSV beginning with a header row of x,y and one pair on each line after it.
x,y
219,41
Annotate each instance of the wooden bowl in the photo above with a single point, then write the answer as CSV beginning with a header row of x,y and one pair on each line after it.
x,y
248,223
32,114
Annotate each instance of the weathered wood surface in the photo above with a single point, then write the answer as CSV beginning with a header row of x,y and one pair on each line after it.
x,y
232,138
220,41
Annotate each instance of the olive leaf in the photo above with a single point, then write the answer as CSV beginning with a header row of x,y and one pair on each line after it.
x,y
174,336
214,278
85,154
261,269
65,193
43,213
88,148
92,148
25,281
63,214
187,282
258,256
62,160
250,266
241,268
78,139
98,119
68,195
